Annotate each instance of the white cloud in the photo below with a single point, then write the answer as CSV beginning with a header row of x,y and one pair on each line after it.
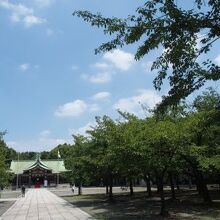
x,y
44,141
39,144
17,9
133,104
76,108
71,109
31,20
102,66
120,59
217,60
84,76
13,144
94,108
113,60
52,32
98,78
101,77
24,67
82,130
147,66
199,38
101,96
21,14
51,142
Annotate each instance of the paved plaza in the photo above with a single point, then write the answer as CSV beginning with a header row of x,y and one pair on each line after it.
x,y
42,204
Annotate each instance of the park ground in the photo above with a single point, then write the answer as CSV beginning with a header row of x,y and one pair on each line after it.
x,y
7,199
93,200
188,205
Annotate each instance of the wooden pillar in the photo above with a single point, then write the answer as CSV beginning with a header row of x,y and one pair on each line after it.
x,y
29,181
58,179
17,181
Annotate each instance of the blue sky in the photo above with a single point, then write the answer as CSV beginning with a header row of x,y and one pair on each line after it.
x,y
52,84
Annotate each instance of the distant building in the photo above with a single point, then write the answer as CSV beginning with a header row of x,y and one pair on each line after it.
x,y
37,173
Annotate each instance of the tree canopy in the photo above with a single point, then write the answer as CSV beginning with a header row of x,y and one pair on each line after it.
x,y
182,142
6,155
183,34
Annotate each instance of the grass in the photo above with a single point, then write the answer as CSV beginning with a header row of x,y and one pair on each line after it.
x,y
187,206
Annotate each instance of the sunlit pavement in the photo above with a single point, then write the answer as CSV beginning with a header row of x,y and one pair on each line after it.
x,y
42,204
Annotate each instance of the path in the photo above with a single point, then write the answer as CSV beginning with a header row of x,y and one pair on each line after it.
x,y
42,204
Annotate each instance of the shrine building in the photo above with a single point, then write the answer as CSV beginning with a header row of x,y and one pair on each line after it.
x,y
37,173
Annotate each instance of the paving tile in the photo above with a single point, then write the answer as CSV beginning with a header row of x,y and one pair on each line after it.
x,y
19,218
32,218
47,217
8,217
41,204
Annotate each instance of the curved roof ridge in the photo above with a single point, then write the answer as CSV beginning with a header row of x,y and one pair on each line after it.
x,y
39,163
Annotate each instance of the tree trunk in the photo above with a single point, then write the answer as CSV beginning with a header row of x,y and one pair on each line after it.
x,y
177,183
200,182
80,189
106,183
163,210
198,187
158,190
147,180
219,181
172,186
110,188
110,192
106,190
202,187
131,187
190,182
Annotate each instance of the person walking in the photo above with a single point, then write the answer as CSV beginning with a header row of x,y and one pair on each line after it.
x,y
73,188
23,191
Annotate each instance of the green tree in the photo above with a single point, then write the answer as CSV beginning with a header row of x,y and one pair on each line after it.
x,y
202,132
63,150
104,138
77,160
209,100
129,151
3,171
27,155
161,143
3,166
168,24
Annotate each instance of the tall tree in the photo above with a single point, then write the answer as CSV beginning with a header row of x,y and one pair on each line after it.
x,y
127,149
161,144
3,166
76,161
202,132
105,138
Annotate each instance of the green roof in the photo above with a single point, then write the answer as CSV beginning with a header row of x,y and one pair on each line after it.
x,y
38,163
56,166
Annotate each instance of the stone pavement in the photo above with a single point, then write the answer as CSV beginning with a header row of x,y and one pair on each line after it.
x,y
42,204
